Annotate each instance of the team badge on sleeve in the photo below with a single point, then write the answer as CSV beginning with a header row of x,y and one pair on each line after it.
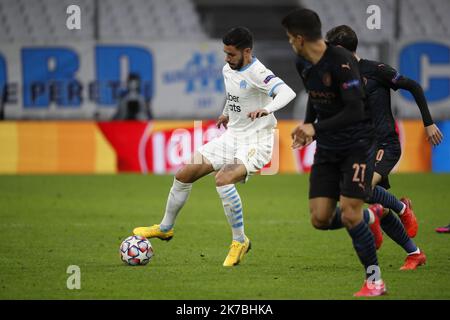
x,y
268,78
350,84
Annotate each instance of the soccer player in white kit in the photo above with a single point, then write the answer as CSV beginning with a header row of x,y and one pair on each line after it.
x,y
253,94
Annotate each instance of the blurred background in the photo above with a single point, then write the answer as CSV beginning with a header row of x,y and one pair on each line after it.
x,y
159,62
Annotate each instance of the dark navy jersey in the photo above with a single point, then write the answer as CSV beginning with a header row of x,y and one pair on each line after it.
x,y
332,83
379,79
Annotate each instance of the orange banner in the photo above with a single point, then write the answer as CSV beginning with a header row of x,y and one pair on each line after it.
x,y
155,147
54,147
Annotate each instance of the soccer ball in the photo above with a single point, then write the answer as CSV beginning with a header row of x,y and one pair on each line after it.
x,y
136,250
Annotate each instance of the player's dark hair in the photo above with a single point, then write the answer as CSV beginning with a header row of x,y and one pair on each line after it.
x,y
303,22
343,36
239,37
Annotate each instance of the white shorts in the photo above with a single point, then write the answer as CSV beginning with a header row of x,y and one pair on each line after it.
x,y
254,153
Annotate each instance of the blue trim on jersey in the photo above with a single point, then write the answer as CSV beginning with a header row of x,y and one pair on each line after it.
x,y
273,88
248,66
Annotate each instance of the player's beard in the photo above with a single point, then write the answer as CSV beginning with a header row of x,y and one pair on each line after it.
x,y
238,65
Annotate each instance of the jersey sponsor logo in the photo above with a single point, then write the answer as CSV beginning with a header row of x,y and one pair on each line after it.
x,y
321,94
243,84
235,107
268,78
232,98
326,79
350,84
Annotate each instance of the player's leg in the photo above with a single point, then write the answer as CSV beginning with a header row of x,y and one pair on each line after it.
x,y
323,194
322,211
231,200
226,178
393,227
178,195
357,169
248,158
364,245
181,188
386,159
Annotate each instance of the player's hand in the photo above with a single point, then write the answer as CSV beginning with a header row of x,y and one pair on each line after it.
x,y
223,120
257,114
299,138
434,135
307,129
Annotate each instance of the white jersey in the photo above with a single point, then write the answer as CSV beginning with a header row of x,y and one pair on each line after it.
x,y
247,90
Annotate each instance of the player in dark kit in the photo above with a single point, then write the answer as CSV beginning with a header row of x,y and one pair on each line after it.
x,y
379,79
344,160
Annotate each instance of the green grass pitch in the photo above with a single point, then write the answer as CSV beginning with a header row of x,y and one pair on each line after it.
x,y
50,222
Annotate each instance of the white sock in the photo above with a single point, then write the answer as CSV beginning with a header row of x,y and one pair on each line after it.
x,y
403,210
414,252
232,206
371,216
178,195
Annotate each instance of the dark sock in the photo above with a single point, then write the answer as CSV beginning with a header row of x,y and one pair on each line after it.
x,y
393,227
336,223
386,199
364,245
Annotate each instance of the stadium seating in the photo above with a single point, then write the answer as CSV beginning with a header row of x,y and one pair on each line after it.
x,y
353,13
149,19
44,20
426,18
41,21
417,17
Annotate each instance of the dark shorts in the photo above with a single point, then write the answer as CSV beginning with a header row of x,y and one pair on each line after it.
x,y
343,172
387,156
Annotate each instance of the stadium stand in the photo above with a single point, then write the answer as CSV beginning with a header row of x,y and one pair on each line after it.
x,y
41,20
149,19
426,18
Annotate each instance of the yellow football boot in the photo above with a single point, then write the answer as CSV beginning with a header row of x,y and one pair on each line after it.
x,y
237,252
153,232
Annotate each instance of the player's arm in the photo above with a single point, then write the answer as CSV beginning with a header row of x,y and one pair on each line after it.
x,y
300,139
265,81
346,75
297,135
391,78
310,115
223,118
283,95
